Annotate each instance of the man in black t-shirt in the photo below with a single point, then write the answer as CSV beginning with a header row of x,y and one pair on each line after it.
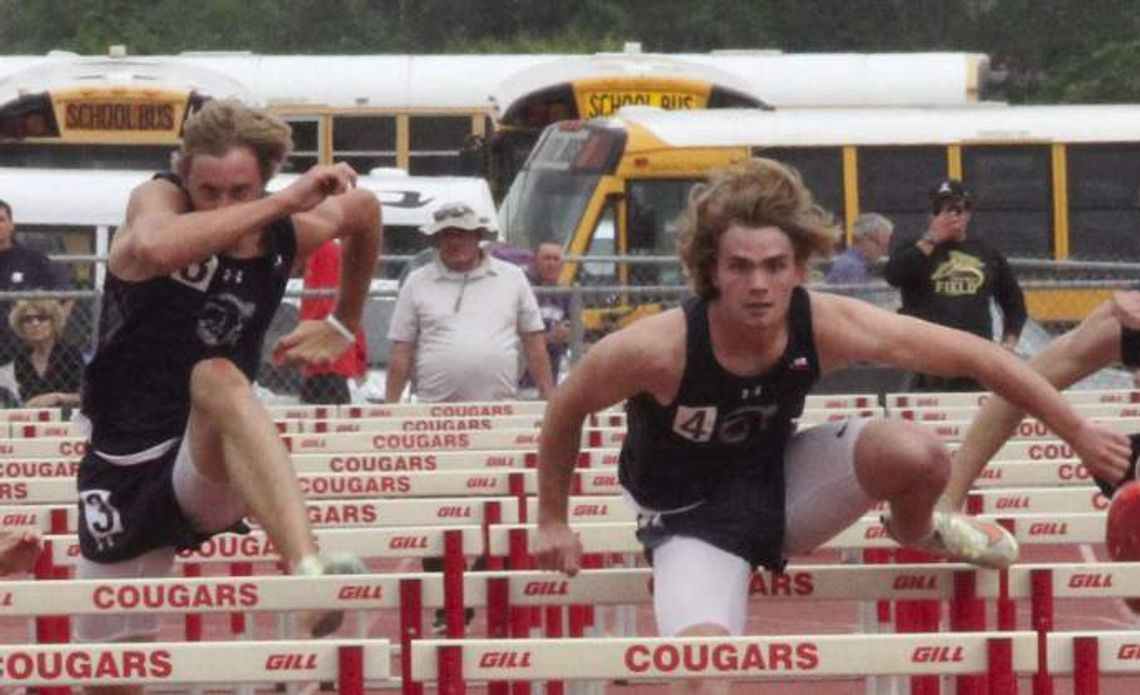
x,y
947,277
21,269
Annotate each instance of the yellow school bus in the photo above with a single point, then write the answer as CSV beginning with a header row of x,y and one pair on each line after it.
x,y
1052,183
425,114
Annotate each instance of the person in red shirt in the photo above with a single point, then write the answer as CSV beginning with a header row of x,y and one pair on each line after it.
x,y
328,384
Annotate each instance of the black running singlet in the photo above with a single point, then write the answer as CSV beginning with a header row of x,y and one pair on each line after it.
x,y
136,389
720,425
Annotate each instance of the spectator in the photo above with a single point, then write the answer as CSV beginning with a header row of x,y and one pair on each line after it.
x,y
328,384
870,240
459,320
948,277
48,370
554,308
21,269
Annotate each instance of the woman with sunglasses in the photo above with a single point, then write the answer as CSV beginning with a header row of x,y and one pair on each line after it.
x,y
48,370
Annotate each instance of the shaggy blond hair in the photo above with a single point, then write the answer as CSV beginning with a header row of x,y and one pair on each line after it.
x,y
223,124
49,307
755,193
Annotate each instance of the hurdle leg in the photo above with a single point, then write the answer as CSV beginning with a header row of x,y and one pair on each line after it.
x,y
875,616
520,616
999,669
918,616
1041,581
1086,666
498,623
967,613
350,670
48,628
411,628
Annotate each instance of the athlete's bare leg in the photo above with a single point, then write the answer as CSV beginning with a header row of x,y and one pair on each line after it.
x,y
233,439
907,466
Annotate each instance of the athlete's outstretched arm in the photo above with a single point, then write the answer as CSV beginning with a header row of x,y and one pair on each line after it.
x,y
161,234
1092,345
354,218
637,358
849,330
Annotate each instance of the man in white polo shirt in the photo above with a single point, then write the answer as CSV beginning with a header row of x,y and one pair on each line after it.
x,y
460,319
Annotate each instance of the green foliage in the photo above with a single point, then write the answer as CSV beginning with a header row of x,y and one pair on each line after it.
x,y
1065,49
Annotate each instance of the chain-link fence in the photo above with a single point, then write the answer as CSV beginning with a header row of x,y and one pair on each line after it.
x,y
46,336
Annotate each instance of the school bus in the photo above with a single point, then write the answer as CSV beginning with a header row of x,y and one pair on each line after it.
x,y
425,114
1052,183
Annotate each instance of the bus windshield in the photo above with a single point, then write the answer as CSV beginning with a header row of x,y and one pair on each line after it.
x,y
550,193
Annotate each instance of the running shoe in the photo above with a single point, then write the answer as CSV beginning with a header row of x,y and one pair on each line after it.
x,y
964,538
326,622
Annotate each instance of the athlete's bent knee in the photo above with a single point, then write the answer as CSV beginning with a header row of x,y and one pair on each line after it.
x,y
923,458
216,379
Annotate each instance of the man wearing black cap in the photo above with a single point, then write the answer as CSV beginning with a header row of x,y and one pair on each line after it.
x,y
947,277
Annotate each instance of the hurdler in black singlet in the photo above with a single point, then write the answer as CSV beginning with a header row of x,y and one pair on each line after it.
x,y
136,389
712,461
152,333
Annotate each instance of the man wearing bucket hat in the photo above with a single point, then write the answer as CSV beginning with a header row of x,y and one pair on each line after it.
x,y
949,277
460,319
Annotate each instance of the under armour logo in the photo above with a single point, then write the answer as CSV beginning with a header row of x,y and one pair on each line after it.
x,y
751,392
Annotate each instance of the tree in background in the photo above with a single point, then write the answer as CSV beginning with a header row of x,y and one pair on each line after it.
x,y
1071,50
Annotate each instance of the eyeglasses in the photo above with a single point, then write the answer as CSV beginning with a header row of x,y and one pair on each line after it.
x,y
35,318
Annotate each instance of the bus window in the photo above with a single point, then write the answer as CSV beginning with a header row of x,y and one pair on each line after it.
x,y
435,143
1013,197
1104,191
306,144
894,181
53,156
365,142
653,208
602,244
548,197
821,169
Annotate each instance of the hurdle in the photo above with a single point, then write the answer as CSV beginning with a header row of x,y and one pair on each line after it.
x,y
348,663
451,663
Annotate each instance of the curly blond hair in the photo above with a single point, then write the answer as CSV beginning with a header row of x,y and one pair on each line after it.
x,y
755,193
49,307
223,124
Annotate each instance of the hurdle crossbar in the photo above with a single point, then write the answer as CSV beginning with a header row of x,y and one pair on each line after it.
x,y
349,662
759,657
